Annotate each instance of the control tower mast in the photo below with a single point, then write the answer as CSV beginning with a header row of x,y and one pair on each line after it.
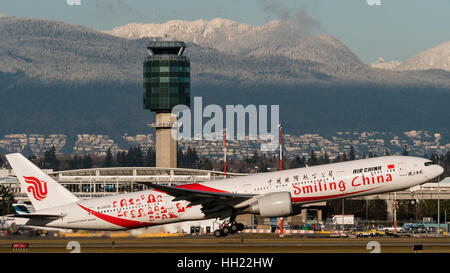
x,y
166,84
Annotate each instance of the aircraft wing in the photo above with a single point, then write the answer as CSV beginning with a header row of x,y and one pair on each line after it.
x,y
220,203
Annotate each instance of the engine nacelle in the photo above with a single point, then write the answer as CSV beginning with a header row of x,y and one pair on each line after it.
x,y
274,204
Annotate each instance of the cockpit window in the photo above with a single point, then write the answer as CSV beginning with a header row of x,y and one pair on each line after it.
x,y
428,163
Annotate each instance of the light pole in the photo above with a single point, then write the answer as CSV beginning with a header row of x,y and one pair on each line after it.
x,y
225,152
445,222
281,149
439,199
395,211
343,204
281,168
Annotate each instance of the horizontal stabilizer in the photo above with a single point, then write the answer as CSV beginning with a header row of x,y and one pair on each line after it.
x,y
37,216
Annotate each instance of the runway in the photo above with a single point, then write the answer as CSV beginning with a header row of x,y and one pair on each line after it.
x,y
233,244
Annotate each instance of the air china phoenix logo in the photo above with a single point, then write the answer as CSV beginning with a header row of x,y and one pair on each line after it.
x,y
37,188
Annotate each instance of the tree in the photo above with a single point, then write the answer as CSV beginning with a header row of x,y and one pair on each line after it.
x,y
206,164
405,150
326,158
50,161
87,162
122,159
435,158
6,200
150,158
27,151
312,159
193,158
139,157
2,162
109,159
298,162
352,155
344,156
75,162
134,158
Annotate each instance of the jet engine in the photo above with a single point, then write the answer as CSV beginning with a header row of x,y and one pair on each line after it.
x,y
275,204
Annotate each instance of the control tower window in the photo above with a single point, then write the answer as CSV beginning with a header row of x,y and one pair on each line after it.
x,y
166,68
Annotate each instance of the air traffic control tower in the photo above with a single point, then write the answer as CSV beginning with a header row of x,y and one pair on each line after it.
x,y
166,84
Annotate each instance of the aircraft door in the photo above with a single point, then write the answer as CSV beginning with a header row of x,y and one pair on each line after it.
x,y
247,188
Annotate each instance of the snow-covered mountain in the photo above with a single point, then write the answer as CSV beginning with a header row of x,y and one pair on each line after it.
x,y
221,51
65,78
434,58
222,34
275,38
53,50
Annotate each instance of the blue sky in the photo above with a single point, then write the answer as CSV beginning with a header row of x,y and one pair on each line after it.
x,y
396,29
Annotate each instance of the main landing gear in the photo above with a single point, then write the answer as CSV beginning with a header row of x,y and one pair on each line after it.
x,y
228,228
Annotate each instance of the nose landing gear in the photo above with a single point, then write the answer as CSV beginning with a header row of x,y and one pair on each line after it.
x,y
228,228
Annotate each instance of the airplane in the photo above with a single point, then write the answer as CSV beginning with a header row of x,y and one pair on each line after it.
x,y
20,208
272,194
7,221
10,221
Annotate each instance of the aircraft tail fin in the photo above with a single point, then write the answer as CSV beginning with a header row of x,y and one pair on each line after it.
x,y
42,190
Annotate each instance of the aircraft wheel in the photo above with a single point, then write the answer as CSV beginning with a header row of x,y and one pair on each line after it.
x,y
225,231
218,233
234,228
240,227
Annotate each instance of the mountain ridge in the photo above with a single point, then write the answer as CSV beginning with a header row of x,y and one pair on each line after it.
x,y
54,50
437,57
222,34
60,78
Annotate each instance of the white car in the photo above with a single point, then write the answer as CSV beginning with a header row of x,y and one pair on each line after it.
x,y
396,229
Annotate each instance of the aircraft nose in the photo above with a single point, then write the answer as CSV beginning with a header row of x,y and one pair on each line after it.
x,y
434,171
